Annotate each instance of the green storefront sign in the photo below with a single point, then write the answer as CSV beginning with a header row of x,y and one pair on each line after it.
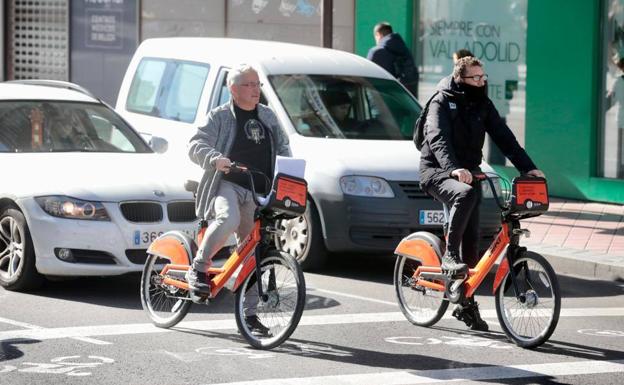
x,y
553,80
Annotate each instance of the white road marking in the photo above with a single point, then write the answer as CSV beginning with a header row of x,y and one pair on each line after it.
x,y
18,323
35,327
395,304
485,373
230,324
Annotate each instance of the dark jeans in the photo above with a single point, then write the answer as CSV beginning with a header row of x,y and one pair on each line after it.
x,y
463,222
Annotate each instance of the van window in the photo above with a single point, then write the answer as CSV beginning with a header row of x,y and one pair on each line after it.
x,y
145,86
184,92
347,107
168,89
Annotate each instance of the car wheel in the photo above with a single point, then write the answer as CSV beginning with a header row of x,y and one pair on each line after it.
x,y
302,237
17,254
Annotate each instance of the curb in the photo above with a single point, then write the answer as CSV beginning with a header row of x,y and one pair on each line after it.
x,y
582,263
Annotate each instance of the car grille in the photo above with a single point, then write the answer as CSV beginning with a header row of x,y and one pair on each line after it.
x,y
181,211
413,190
137,256
142,211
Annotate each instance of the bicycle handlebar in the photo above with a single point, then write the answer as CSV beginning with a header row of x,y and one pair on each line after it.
x,y
240,168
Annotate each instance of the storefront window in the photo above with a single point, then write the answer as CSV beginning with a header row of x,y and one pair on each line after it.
x,y
495,32
612,161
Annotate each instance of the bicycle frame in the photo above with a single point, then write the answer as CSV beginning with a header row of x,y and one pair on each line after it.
x,y
419,248
244,257
431,266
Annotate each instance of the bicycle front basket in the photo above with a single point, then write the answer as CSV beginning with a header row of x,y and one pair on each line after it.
x,y
529,196
288,196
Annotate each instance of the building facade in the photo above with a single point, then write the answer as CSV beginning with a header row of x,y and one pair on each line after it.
x,y
91,42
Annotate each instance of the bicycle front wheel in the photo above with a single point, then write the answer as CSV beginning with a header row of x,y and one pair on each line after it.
x,y
420,305
166,305
267,322
529,317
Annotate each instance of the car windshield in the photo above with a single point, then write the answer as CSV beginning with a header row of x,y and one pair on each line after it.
x,y
59,126
347,107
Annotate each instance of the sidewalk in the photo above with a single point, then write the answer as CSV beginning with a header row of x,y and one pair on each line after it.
x,y
580,238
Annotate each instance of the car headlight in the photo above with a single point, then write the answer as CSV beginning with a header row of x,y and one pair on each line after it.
x,y
72,208
486,190
366,186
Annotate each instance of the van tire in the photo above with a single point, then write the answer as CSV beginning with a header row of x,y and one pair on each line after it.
x,y
303,239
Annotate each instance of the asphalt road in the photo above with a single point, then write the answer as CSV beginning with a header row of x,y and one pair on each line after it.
x,y
93,331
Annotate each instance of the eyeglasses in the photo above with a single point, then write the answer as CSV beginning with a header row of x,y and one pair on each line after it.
x,y
251,84
476,78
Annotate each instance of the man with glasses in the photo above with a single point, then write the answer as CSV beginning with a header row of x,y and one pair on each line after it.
x,y
242,131
459,116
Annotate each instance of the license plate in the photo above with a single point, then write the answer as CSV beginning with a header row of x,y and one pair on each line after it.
x,y
144,238
431,217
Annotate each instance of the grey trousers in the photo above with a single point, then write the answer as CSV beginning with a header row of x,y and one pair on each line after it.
x,y
234,208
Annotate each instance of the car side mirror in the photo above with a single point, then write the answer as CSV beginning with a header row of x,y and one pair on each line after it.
x,y
158,144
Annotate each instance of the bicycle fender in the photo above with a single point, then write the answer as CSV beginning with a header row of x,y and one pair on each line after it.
x,y
175,246
501,272
422,246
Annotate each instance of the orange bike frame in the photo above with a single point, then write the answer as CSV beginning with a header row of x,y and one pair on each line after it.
x,y
480,271
244,256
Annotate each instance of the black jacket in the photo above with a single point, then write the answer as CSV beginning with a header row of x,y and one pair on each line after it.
x,y
385,53
393,55
454,139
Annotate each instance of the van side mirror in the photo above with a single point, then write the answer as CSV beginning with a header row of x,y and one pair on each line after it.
x,y
158,144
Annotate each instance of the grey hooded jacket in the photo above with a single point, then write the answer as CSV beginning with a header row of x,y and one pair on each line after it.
x,y
215,139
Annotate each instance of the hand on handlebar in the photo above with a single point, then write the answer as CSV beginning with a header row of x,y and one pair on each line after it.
x,y
462,175
223,164
536,173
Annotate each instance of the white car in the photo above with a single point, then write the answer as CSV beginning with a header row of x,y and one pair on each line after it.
x,y
81,193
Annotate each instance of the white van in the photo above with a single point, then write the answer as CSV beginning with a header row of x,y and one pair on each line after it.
x,y
362,171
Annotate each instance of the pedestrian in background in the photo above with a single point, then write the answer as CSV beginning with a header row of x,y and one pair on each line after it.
x,y
392,54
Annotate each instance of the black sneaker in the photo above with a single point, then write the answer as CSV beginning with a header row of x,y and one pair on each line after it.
x,y
451,264
198,281
257,327
468,312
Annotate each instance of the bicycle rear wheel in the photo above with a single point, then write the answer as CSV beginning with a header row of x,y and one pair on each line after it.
x,y
420,305
529,318
166,305
267,323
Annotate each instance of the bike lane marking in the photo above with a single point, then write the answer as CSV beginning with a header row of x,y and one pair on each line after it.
x,y
482,373
67,365
230,324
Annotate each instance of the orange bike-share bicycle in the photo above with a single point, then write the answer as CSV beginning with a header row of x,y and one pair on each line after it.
x,y
526,289
269,285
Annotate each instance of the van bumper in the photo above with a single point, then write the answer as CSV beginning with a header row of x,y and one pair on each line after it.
x,y
375,225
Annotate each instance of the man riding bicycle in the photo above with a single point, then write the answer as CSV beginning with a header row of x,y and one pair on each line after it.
x,y
458,118
241,131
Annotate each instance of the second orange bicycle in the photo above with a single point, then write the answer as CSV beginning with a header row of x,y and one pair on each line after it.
x,y
526,290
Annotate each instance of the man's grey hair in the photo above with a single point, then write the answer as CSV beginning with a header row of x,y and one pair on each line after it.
x,y
462,64
236,73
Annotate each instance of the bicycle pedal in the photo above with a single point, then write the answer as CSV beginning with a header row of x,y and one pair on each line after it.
x,y
199,297
454,275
